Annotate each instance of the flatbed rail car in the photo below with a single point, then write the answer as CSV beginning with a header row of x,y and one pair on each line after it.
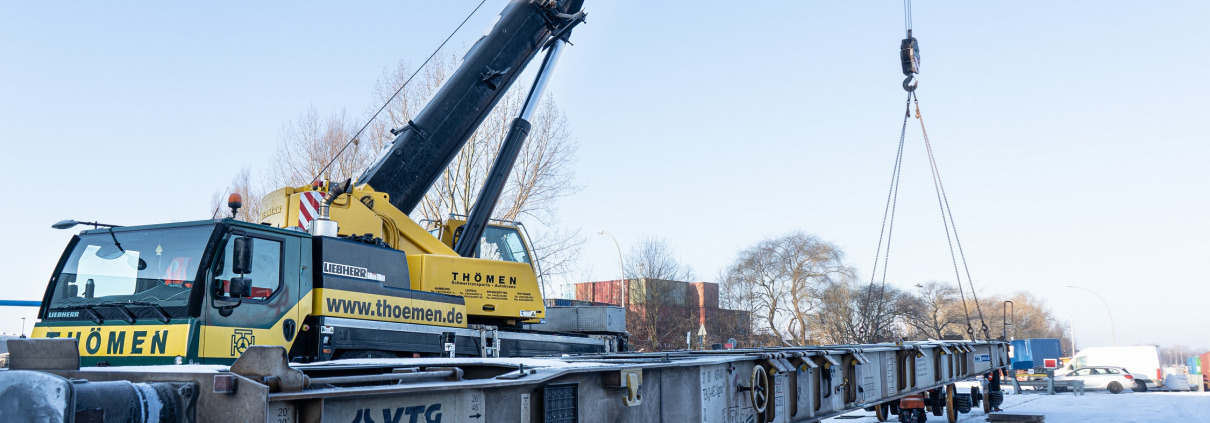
x,y
803,384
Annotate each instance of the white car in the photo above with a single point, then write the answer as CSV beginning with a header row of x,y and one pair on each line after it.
x,y
1115,379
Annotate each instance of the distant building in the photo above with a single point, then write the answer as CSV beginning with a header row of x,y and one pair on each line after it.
x,y
660,312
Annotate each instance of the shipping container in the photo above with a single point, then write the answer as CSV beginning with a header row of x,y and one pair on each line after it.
x,y
1204,365
1028,354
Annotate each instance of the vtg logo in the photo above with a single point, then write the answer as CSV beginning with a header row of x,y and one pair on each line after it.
x,y
432,414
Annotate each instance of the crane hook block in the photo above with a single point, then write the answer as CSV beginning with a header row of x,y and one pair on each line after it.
x,y
909,55
909,58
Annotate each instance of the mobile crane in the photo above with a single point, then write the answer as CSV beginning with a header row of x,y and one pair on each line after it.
x,y
337,269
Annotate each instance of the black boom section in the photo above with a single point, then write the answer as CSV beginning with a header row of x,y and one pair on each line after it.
x,y
427,145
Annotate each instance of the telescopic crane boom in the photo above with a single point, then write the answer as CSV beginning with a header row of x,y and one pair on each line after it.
x,y
425,147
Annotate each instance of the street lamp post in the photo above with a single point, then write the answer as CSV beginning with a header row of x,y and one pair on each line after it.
x,y
1112,329
621,266
1071,324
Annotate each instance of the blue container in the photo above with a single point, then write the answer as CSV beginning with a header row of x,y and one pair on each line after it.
x,y
1030,353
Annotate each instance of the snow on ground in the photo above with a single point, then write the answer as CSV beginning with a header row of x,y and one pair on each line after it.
x,y
1094,406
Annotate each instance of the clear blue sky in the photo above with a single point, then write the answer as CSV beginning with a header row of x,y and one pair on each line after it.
x,y
1072,136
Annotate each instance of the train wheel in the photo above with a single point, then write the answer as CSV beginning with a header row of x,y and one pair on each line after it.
x,y
987,403
962,402
882,411
936,403
951,413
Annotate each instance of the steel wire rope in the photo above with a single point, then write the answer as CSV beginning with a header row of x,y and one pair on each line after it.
x,y
947,220
401,87
888,214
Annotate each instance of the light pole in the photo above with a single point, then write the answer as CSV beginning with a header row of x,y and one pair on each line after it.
x,y
1071,319
621,266
22,327
1112,329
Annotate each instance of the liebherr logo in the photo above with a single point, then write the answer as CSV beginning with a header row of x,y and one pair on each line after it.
x,y
352,272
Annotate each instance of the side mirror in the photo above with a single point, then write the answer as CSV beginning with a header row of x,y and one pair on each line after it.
x,y
241,256
240,287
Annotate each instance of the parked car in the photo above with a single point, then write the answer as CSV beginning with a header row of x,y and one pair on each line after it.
x,y
1144,360
1115,379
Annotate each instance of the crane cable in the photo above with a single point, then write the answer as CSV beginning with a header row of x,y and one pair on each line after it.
x,y
947,219
910,61
401,87
888,216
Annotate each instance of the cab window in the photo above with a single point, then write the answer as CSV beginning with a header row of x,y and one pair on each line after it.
x,y
503,243
266,267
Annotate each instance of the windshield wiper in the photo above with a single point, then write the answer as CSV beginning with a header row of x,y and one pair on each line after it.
x,y
130,317
93,315
127,316
164,317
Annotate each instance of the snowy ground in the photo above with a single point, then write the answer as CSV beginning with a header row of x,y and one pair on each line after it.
x,y
1094,406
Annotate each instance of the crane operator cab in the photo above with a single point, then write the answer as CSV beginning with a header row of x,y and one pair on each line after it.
x,y
503,240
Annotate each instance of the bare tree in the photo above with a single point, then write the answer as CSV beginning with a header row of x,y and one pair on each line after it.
x,y
654,258
1030,318
736,293
660,311
308,143
786,276
935,313
852,312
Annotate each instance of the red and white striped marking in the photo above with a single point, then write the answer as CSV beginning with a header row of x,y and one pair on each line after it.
x,y
308,208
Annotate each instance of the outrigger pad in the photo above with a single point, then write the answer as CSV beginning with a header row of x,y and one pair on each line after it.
x,y
44,354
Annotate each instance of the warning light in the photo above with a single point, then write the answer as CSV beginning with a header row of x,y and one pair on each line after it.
x,y
234,201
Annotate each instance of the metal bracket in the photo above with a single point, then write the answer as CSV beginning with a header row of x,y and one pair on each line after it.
x,y
268,364
632,379
492,77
